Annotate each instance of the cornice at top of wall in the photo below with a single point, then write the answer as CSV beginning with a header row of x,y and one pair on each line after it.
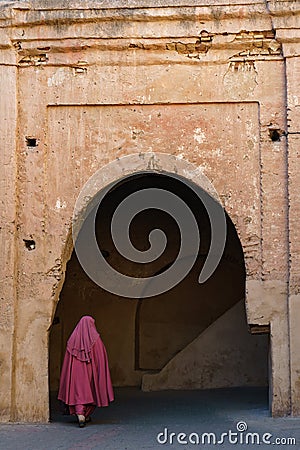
x,y
217,16
124,4
83,5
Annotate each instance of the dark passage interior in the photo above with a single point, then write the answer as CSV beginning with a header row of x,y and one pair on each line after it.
x,y
192,337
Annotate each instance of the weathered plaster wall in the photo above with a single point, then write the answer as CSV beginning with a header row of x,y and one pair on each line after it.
x,y
293,103
221,356
7,227
103,71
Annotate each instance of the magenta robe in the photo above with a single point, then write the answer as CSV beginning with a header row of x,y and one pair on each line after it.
x,y
86,380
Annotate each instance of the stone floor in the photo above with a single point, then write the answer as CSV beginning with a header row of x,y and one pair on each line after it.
x,y
136,419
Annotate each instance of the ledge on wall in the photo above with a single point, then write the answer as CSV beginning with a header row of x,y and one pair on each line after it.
x,y
108,4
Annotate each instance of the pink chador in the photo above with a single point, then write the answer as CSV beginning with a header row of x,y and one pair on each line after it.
x,y
85,379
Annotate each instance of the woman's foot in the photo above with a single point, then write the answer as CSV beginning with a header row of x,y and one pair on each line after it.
x,y
88,419
81,420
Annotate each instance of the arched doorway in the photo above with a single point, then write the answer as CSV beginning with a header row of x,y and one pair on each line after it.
x,y
192,336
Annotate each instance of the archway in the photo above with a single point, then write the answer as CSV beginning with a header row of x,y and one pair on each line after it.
x,y
149,341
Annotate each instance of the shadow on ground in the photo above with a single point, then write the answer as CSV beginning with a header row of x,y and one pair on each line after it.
x,y
139,420
132,406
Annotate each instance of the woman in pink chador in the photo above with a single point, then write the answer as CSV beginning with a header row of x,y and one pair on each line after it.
x,y
85,379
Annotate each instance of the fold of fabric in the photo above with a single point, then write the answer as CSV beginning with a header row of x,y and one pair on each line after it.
x,y
83,338
85,380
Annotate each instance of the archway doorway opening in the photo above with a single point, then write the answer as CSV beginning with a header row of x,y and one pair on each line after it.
x,y
193,336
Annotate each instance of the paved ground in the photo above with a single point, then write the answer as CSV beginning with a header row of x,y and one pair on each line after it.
x,y
135,419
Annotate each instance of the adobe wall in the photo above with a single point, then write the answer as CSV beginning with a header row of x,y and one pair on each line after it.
x,y
84,85
225,355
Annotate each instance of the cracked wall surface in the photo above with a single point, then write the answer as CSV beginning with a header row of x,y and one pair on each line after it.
x,y
83,85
